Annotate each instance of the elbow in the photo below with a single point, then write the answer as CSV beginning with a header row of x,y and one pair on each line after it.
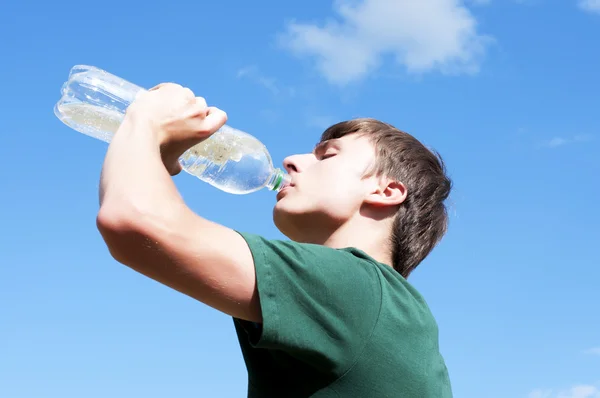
x,y
122,230
116,220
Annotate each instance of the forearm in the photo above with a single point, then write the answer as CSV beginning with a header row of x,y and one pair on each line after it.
x,y
134,177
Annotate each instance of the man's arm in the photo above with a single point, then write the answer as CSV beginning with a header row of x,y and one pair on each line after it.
x,y
148,227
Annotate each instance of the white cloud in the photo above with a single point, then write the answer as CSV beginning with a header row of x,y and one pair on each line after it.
x,y
561,141
422,36
579,391
590,5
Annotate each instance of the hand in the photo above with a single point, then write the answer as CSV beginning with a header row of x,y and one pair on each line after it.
x,y
179,119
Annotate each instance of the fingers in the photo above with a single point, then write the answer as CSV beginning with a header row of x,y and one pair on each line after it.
x,y
166,84
174,89
215,118
201,109
174,169
201,102
188,94
211,118
198,109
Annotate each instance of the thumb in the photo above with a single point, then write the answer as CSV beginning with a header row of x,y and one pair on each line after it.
x,y
215,118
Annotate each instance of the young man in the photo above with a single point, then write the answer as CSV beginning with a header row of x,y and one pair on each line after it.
x,y
328,313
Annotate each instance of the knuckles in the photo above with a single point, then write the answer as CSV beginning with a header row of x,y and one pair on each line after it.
x,y
176,108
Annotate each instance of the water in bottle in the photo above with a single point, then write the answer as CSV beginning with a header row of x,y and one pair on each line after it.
x,y
94,102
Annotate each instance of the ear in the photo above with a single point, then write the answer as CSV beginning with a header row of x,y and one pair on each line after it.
x,y
386,192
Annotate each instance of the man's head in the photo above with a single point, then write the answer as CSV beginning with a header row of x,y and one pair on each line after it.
x,y
367,180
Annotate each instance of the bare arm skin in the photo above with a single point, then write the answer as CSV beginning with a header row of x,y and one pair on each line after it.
x,y
146,224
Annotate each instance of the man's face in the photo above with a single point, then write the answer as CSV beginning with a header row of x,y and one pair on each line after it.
x,y
328,187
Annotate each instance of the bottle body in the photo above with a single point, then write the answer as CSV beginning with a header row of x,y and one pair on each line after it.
x,y
94,103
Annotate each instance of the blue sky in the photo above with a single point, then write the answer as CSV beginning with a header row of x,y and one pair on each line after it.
x,y
506,90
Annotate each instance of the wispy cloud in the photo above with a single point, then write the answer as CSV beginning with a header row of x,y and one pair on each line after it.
x,y
556,142
539,393
593,351
589,5
270,83
488,2
480,2
320,121
270,115
578,391
562,141
528,2
423,36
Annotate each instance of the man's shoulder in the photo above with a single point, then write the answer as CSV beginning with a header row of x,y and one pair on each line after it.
x,y
405,337
356,266
311,254
319,305
397,291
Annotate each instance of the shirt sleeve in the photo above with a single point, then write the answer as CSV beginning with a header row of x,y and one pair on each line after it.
x,y
318,304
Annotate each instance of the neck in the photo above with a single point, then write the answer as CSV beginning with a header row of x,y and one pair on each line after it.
x,y
371,239
371,235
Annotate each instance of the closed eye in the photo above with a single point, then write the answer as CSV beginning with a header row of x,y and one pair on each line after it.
x,y
327,155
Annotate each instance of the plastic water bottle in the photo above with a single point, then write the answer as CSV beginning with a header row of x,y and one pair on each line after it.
x,y
94,102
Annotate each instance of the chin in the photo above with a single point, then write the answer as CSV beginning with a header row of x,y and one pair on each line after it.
x,y
288,221
282,219
300,225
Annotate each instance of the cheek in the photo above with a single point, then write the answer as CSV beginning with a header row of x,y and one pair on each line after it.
x,y
335,189
341,195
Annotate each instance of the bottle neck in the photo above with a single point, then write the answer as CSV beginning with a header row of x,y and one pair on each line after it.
x,y
278,180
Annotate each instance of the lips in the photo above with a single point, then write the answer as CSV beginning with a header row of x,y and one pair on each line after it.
x,y
283,192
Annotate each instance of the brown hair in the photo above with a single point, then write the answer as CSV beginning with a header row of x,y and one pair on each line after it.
x,y
422,218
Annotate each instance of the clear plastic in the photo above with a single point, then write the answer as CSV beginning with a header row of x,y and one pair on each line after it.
x,y
94,102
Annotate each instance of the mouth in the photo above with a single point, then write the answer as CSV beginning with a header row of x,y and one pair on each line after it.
x,y
284,191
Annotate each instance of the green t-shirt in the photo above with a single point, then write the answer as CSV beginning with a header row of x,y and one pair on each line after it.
x,y
336,323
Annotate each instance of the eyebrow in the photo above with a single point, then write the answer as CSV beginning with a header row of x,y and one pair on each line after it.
x,y
323,145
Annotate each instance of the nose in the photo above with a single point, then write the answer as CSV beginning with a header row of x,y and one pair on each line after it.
x,y
291,164
298,163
